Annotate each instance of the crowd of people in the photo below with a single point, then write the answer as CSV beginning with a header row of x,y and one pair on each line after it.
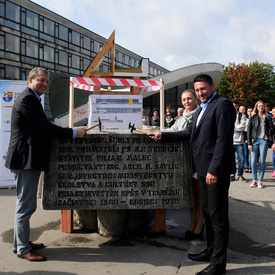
x,y
253,135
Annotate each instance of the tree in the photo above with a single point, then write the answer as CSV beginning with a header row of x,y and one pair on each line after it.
x,y
248,83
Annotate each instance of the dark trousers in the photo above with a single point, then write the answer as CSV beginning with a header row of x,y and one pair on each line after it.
x,y
214,200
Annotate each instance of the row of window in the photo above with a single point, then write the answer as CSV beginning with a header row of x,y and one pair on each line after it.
x,y
15,48
46,29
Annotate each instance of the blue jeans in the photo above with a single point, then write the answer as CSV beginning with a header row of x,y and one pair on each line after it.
x,y
259,146
26,191
246,156
239,148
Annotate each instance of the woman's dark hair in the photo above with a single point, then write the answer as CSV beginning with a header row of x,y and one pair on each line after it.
x,y
154,111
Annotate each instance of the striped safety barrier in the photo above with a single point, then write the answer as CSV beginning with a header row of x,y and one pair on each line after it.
x,y
87,83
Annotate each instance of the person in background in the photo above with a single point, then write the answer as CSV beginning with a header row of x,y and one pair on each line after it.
x,y
249,111
273,158
242,110
259,136
212,156
145,119
238,139
155,119
28,155
169,120
179,112
168,110
267,108
248,155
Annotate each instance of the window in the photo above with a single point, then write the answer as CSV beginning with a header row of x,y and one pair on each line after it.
x,y
48,26
75,38
96,46
48,54
12,12
63,58
170,96
75,61
12,43
12,73
106,68
87,43
32,20
23,74
130,60
119,56
126,60
63,33
2,73
31,49
2,41
2,9
87,62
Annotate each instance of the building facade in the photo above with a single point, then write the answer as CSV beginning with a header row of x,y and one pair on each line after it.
x,y
31,35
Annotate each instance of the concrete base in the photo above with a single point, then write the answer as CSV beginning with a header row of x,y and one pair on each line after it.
x,y
86,219
122,222
111,222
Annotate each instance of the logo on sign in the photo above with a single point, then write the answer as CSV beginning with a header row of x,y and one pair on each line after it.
x,y
7,96
5,156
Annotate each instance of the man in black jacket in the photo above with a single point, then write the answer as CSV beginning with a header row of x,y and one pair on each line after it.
x,y
212,153
28,155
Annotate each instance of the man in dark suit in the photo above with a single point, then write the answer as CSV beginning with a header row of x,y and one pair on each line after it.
x,y
212,153
28,155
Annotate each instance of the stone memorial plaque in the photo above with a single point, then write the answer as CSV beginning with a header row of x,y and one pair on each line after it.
x,y
117,170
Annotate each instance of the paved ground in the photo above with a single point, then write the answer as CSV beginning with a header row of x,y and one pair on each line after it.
x,y
251,249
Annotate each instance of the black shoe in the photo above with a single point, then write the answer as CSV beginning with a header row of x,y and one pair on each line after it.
x,y
204,256
243,179
212,270
232,178
194,236
188,234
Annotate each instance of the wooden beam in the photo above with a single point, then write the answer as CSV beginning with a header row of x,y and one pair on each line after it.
x,y
67,215
67,221
109,44
159,220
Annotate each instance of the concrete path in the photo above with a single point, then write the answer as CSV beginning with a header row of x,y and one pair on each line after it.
x,y
251,249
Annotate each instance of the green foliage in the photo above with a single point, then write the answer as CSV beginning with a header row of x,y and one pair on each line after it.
x,y
248,83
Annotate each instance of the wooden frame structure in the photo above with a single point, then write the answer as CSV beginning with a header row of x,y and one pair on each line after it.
x,y
137,84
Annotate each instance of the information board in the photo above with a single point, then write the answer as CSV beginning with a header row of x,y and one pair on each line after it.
x,y
115,111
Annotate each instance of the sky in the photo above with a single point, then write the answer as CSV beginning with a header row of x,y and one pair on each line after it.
x,y
180,33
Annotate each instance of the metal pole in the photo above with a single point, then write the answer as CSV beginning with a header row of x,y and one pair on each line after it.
x,y
71,107
162,107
